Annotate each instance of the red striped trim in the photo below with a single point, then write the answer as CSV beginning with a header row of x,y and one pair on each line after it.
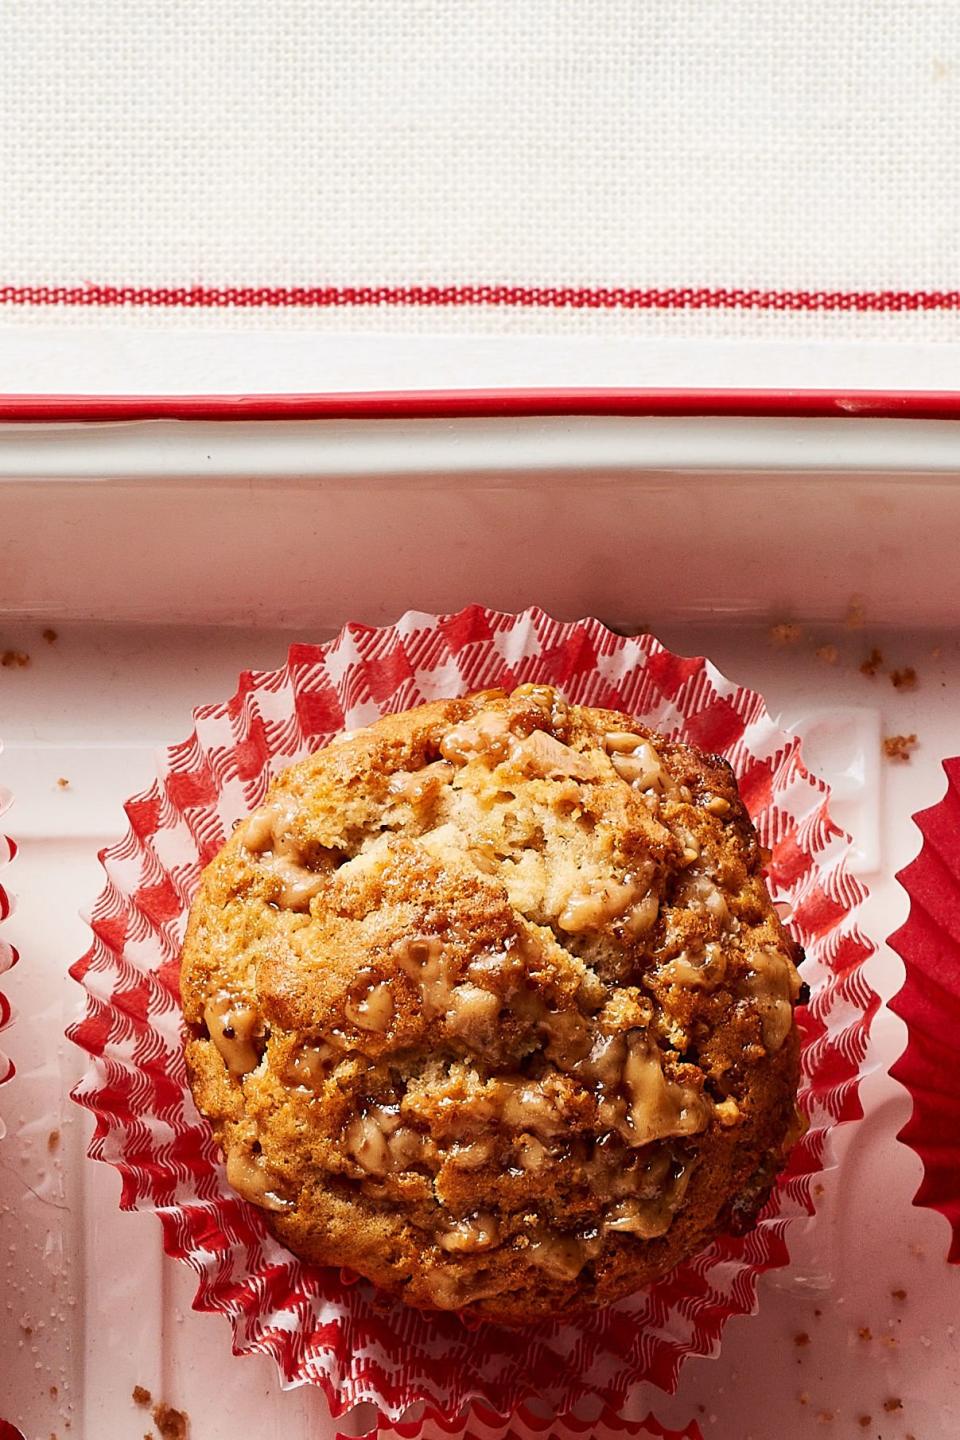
x,y
433,404
553,297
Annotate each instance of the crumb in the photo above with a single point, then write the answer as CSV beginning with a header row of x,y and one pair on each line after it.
x,y
817,1314
819,1190
864,1421
50,636
824,1417
855,613
804,1398
786,634
905,679
9,658
898,747
702,1409
27,1329
63,783
916,1249
892,1405
171,1423
53,1140
890,1341
829,654
802,1338
899,1294
872,664
141,1396
865,1332
54,1392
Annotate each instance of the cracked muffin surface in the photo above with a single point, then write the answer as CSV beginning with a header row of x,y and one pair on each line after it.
x,y
489,1003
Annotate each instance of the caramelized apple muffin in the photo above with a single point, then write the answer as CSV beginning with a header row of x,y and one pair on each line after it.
x,y
489,1003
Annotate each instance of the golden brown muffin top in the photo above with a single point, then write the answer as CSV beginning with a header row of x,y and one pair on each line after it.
x,y
489,1002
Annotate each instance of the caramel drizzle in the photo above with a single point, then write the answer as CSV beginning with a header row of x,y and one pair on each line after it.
x,y
236,1030
266,834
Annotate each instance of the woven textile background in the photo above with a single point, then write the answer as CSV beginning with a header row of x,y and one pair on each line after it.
x,y
760,168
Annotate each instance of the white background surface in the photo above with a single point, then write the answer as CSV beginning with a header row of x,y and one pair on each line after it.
x,y
112,359
767,144
107,1311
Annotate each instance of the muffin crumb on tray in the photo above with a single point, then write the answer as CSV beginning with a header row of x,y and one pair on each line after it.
x,y
172,1424
899,747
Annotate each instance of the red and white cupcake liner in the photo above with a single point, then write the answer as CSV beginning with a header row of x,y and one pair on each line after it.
x,y
482,1423
319,1326
8,955
929,1002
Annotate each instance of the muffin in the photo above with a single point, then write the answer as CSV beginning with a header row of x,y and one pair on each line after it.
x,y
490,1004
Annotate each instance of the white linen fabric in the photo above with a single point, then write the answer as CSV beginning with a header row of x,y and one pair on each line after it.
x,y
684,168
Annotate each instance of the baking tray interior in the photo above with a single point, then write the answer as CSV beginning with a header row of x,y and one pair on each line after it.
x,y
163,582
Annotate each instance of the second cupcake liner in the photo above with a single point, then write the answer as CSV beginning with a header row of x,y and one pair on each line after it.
x,y
319,1327
929,1003
8,955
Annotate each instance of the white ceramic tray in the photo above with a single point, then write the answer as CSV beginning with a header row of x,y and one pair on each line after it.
x,y
169,556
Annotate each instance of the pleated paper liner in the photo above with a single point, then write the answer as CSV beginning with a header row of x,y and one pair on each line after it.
x,y
8,955
482,1423
929,1003
343,1336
